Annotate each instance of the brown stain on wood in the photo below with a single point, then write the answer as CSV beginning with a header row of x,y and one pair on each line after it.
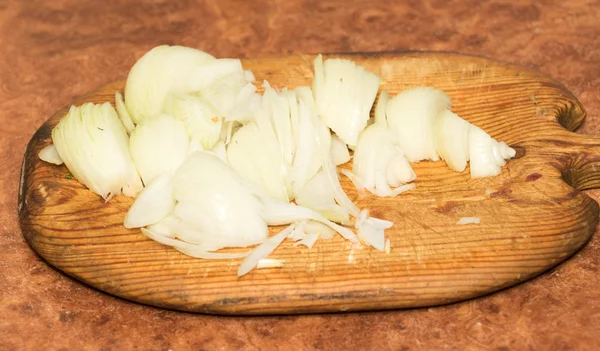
x,y
433,261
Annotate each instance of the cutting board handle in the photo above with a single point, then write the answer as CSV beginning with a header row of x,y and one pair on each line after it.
x,y
582,169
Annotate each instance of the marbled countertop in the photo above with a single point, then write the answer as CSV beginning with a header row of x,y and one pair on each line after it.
x,y
53,51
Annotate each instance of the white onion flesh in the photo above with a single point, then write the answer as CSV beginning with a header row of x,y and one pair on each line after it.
x,y
451,139
322,230
269,263
190,249
123,113
277,212
92,142
233,96
222,163
317,195
339,151
158,145
254,154
153,204
487,156
263,250
50,155
411,114
309,240
162,71
358,183
306,162
379,162
214,203
380,109
469,220
344,94
201,120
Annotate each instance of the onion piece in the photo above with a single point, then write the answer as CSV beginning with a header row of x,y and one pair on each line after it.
x,y
153,204
164,227
358,184
451,139
50,155
344,94
215,207
263,250
468,220
212,71
411,114
92,142
269,263
380,109
309,240
278,108
306,161
372,230
202,121
339,151
277,212
379,161
158,145
162,71
233,96
123,113
487,155
255,155
190,249
318,195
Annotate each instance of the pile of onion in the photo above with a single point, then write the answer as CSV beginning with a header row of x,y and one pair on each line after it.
x,y
212,163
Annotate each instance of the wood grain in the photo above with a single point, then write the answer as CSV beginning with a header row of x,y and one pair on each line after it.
x,y
532,215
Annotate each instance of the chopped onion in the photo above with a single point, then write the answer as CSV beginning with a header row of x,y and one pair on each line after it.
x,y
469,220
215,207
263,250
123,113
322,230
163,71
371,230
358,184
451,139
233,96
306,162
379,161
50,155
92,142
411,114
344,94
190,249
277,212
158,145
339,151
309,240
487,156
202,121
318,195
211,72
380,109
165,227
153,204
269,263
220,151
254,154
278,109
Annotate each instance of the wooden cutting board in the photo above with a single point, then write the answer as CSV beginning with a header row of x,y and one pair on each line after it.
x,y
533,215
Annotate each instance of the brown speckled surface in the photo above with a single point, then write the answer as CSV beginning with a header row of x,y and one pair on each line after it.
x,y
53,51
